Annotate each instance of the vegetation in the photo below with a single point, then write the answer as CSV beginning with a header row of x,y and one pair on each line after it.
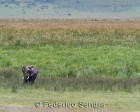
x,y
10,79
25,99
89,60
84,53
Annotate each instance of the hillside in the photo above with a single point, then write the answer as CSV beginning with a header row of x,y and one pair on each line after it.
x,y
69,9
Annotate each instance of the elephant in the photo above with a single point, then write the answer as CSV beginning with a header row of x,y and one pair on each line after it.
x,y
29,74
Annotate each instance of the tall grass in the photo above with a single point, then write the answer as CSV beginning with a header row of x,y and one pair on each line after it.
x,y
10,79
95,51
72,57
42,36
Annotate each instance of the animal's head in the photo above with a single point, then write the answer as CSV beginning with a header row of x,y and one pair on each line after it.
x,y
26,72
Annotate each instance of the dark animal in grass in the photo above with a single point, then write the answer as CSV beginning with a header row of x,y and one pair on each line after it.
x,y
29,74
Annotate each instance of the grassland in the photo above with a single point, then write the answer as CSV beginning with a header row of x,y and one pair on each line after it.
x,y
25,99
71,48
98,59
96,47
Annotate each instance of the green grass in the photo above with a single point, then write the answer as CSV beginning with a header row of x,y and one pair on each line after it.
x,y
88,64
9,79
71,52
114,102
59,60
82,61
111,52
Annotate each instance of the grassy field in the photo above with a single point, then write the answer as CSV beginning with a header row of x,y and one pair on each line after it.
x,y
72,48
27,99
92,47
95,58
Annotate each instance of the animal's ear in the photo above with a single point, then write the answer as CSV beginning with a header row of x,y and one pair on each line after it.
x,y
31,66
23,69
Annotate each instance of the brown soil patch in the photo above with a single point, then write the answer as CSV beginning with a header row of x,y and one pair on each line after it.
x,y
21,108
